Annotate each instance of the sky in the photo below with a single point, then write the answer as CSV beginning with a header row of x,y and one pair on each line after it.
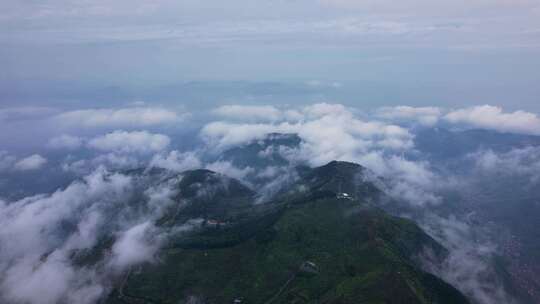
x,y
68,67
362,53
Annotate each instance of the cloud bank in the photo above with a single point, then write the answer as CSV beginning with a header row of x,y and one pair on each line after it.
x,y
493,118
330,130
381,140
44,236
118,118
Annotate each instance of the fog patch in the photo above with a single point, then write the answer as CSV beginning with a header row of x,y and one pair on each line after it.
x,y
134,246
468,266
42,236
228,169
524,162
274,180
176,161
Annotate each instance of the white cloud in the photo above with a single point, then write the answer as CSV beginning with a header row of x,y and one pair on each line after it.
x,y
126,142
516,162
427,116
79,167
249,113
334,132
329,132
162,196
134,246
468,266
176,161
65,142
34,282
35,261
224,134
276,178
269,172
32,162
227,168
114,160
491,117
409,181
126,117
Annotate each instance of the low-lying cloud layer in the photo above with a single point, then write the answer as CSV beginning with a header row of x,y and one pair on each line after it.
x,y
42,232
493,118
117,118
331,130
35,253
467,267
44,236
334,132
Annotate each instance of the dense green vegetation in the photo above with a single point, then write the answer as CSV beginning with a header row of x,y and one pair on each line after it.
x,y
359,253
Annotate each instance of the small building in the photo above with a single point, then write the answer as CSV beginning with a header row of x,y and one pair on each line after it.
x,y
344,195
215,223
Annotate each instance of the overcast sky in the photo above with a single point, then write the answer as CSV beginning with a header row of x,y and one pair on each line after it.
x,y
372,53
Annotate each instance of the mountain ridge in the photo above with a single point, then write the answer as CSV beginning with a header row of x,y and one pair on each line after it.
x,y
255,253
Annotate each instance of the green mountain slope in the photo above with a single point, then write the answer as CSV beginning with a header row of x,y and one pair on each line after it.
x,y
319,249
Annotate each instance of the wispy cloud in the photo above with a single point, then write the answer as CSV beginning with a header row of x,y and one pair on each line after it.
x,y
123,117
